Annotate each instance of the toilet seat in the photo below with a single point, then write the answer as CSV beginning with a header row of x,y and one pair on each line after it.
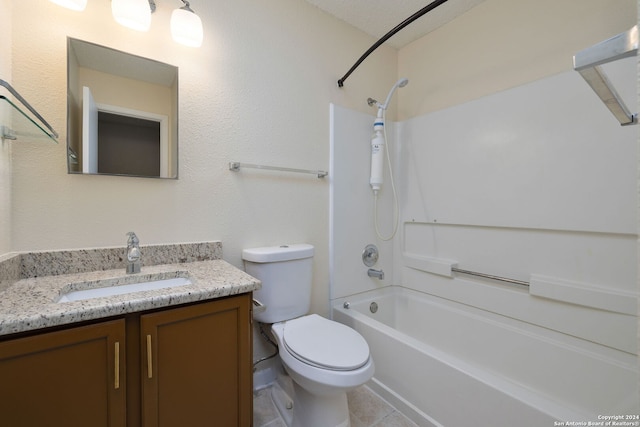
x,y
325,344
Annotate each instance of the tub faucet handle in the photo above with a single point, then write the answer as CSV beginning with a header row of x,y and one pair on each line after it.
x,y
370,255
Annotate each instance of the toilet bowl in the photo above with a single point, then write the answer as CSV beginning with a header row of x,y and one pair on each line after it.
x,y
325,359
323,356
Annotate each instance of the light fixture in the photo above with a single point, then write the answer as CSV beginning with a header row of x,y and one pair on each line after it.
x,y
134,14
71,4
186,26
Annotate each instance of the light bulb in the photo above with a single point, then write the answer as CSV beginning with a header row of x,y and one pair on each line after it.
x,y
71,4
186,27
134,14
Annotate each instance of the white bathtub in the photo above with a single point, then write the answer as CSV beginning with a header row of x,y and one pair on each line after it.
x,y
447,364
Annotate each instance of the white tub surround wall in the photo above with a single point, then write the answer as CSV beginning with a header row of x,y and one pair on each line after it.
x,y
539,186
351,199
477,197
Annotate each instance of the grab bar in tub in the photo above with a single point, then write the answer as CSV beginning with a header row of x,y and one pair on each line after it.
x,y
490,276
570,291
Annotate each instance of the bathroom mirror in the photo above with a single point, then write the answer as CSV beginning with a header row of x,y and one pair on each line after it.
x,y
122,113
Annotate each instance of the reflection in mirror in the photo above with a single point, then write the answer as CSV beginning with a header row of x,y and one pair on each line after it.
x,y
122,113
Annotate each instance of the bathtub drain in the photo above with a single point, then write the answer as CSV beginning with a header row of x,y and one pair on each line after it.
x,y
373,307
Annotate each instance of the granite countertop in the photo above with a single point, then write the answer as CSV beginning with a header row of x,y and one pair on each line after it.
x,y
31,303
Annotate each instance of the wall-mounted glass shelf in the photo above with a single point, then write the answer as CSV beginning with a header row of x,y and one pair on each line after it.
x,y
19,120
16,124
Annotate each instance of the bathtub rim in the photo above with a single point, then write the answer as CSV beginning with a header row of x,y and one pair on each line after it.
x,y
535,399
599,351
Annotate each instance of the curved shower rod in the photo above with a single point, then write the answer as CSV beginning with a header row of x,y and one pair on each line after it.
x,y
387,36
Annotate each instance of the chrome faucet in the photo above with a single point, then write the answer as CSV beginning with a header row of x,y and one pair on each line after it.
x,y
376,273
133,253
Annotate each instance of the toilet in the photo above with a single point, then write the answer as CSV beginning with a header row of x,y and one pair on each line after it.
x,y
323,359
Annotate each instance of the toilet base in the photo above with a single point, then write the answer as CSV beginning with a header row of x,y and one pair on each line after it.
x,y
319,411
299,408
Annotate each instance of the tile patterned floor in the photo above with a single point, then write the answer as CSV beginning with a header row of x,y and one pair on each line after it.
x,y
366,409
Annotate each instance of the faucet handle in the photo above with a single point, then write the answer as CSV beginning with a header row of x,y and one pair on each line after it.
x,y
133,253
133,239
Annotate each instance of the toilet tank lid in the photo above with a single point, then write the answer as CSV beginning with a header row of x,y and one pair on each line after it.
x,y
278,253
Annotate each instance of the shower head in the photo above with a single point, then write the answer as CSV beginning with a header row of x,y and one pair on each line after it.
x,y
400,83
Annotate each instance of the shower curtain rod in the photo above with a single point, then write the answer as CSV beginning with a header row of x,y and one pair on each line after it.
x,y
387,36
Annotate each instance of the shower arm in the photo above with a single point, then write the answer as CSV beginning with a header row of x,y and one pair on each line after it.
x,y
397,28
587,62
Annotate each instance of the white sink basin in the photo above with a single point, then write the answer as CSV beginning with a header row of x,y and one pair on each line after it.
x,y
106,291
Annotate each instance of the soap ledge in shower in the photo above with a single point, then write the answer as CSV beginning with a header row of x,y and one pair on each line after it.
x,y
438,266
584,294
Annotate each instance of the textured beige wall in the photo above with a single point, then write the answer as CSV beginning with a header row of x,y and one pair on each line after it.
x,y
258,91
502,44
5,147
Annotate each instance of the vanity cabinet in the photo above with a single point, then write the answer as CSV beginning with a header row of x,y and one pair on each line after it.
x,y
197,365
184,366
72,377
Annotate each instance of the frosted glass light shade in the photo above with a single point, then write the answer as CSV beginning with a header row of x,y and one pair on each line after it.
x,y
71,4
134,14
186,27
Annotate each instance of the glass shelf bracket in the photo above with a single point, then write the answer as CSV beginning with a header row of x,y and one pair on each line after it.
x,y
588,61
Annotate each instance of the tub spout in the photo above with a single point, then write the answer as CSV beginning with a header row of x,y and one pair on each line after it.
x,y
376,273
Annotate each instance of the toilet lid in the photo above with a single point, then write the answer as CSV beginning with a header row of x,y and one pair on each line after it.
x,y
324,343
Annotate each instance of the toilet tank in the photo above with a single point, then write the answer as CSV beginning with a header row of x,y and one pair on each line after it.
x,y
286,275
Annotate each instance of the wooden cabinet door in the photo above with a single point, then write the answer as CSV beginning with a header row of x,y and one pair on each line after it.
x,y
197,365
69,378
